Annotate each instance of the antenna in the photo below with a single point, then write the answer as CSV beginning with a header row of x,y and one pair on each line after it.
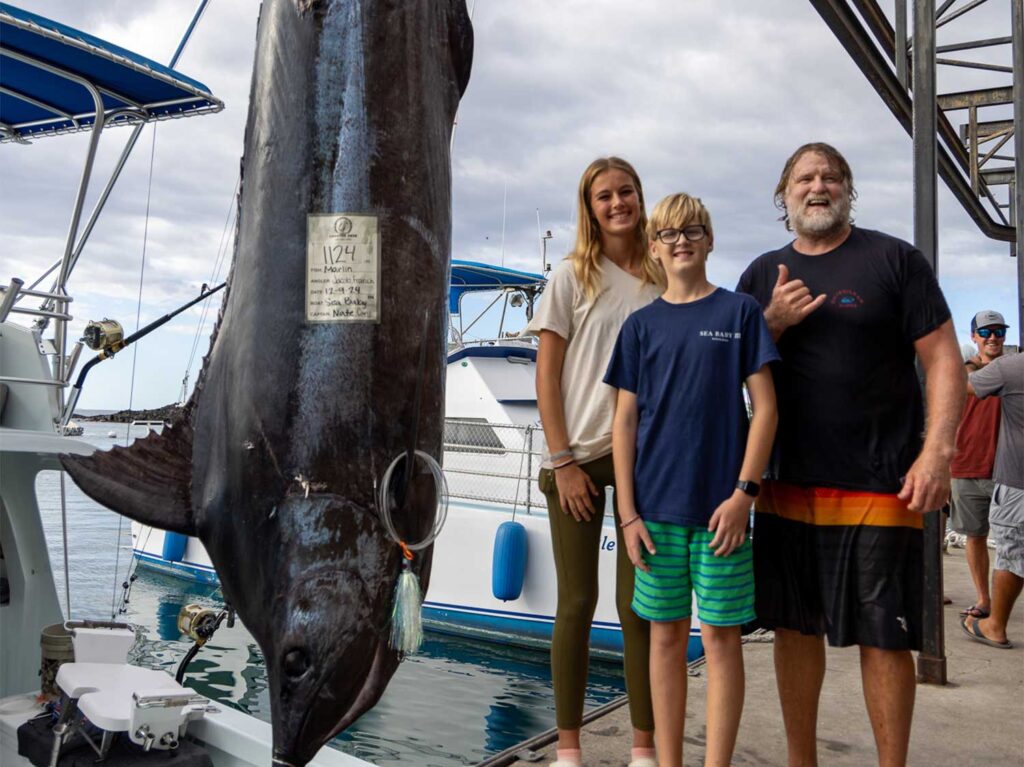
x,y
540,239
543,246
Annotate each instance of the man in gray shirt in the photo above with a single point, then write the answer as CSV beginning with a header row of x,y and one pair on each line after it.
x,y
1004,377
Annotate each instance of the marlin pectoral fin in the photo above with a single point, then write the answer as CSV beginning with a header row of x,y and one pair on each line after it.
x,y
149,481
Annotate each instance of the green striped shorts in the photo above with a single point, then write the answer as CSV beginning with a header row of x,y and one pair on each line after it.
x,y
685,565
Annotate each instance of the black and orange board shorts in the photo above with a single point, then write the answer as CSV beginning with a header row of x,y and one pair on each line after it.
x,y
844,564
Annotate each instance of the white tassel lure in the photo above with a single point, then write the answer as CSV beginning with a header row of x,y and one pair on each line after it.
x,y
406,615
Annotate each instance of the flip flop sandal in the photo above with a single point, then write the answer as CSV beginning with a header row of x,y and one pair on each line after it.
x,y
974,632
975,612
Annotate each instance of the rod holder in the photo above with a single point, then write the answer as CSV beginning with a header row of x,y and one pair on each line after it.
x,y
72,361
69,408
10,296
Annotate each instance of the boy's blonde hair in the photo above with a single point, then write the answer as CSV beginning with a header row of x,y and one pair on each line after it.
x,y
678,211
586,255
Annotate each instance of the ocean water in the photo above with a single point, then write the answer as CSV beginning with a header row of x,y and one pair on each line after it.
x,y
454,703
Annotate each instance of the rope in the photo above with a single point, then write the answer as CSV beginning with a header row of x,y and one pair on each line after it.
x,y
416,401
130,578
519,481
222,250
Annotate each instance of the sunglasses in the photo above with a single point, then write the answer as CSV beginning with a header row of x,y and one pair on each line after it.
x,y
693,233
986,332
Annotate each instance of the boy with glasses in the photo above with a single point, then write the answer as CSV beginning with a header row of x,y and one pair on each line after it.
x,y
687,467
971,467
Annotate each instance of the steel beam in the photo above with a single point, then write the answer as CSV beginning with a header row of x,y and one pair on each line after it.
x,y
972,44
1017,196
953,169
987,129
900,54
997,176
986,97
931,661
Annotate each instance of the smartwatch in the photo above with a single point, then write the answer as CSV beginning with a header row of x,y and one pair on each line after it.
x,y
750,488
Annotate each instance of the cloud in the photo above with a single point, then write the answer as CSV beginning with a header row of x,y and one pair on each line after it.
x,y
706,97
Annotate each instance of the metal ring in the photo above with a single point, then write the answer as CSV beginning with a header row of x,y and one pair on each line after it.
x,y
440,486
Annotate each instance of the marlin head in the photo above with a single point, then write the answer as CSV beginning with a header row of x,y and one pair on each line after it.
x,y
326,633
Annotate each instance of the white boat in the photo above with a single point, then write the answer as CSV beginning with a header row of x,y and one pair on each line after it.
x,y
54,80
492,454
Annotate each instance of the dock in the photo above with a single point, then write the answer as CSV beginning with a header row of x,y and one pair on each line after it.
x,y
976,718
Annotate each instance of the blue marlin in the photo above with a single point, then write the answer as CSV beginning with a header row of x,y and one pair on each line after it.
x,y
328,357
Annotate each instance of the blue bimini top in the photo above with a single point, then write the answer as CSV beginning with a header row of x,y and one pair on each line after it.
x,y
470,276
46,69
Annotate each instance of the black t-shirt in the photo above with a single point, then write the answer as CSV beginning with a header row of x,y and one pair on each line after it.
x,y
850,406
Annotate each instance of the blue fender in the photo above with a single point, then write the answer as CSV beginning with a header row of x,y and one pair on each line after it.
x,y
174,546
508,566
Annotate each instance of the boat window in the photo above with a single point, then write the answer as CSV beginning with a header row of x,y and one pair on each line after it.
x,y
471,435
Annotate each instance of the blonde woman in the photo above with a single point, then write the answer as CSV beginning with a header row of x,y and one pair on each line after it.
x,y
608,275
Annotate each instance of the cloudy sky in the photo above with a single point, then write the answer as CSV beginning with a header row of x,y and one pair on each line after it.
x,y
703,96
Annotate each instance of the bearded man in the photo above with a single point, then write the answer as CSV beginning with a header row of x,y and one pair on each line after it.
x,y
838,530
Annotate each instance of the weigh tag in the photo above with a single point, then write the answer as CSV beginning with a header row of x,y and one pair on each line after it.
x,y
342,268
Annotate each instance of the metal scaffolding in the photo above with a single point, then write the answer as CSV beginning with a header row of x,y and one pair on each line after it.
x,y
972,159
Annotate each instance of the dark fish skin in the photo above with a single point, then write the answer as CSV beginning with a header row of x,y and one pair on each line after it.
x,y
351,111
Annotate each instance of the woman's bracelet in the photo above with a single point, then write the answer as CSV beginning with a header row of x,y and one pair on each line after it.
x,y
563,464
629,522
567,453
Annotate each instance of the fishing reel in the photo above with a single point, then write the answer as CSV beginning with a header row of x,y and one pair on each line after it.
x,y
198,623
103,335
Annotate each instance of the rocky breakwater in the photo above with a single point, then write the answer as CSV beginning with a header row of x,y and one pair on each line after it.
x,y
127,416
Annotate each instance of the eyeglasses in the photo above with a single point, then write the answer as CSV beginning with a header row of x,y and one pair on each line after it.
x,y
693,233
986,332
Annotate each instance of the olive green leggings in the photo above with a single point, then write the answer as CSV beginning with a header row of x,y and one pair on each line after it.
x,y
576,547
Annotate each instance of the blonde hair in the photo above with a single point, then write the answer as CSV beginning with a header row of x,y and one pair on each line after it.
x,y
679,211
586,255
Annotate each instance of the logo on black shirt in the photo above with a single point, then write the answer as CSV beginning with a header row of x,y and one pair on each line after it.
x,y
846,299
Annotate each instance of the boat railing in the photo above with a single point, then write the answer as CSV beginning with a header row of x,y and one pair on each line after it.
x,y
511,338
493,463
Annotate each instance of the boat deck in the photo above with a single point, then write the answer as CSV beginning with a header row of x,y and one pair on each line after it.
x,y
975,719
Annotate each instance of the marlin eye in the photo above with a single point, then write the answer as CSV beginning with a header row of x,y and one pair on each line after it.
x,y
295,663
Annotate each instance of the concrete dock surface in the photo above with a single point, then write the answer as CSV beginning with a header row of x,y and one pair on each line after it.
x,y
975,719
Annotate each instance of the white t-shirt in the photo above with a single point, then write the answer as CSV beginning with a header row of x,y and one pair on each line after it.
x,y
591,330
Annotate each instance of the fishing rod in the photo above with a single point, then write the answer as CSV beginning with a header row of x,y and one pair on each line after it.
x,y
108,336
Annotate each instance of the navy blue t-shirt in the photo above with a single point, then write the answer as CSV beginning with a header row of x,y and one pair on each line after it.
x,y
686,363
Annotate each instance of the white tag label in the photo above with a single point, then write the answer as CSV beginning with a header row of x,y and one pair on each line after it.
x,y
342,268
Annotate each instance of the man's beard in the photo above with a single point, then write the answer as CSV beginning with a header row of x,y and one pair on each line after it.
x,y
817,222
